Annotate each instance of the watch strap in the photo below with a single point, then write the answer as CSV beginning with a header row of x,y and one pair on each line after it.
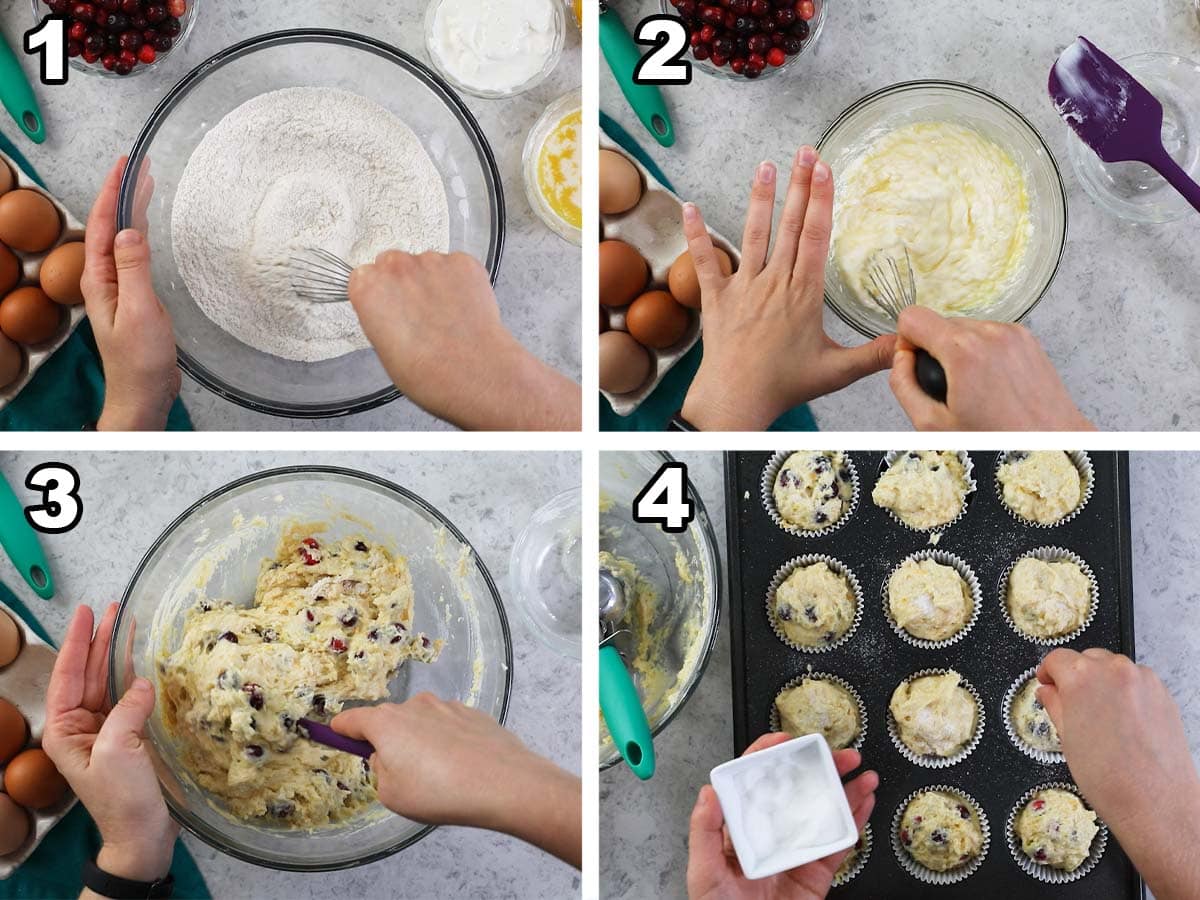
x,y
679,423
117,888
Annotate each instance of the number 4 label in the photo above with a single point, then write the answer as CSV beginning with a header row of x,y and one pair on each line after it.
x,y
49,41
664,501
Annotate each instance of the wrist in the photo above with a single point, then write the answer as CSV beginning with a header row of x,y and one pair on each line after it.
x,y
127,410
148,860
711,409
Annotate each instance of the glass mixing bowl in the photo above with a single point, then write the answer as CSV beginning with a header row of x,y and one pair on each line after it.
x,y
686,568
308,58
215,548
893,107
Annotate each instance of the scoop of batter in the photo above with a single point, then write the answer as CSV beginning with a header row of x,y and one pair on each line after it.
x,y
941,831
817,706
924,488
815,605
330,623
813,489
1043,486
1048,599
1031,722
930,601
1056,829
935,715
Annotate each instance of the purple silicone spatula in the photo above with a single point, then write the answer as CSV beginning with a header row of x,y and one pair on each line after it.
x,y
323,734
1113,113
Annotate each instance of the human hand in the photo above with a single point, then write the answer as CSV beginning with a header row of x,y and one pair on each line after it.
x,y
999,377
100,749
133,329
765,346
443,763
1125,745
434,321
713,869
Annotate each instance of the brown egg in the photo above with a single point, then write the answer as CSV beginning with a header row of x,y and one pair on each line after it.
x,y
604,323
10,270
623,273
12,364
61,271
656,320
33,781
6,178
28,221
13,732
682,280
620,183
14,826
28,316
624,363
10,639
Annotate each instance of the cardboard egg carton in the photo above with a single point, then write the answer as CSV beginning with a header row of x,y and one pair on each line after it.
x,y
23,683
31,267
655,229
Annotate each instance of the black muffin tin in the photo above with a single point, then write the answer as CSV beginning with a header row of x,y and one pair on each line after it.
x,y
875,660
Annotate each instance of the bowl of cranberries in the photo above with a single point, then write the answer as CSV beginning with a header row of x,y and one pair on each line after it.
x,y
748,39
119,38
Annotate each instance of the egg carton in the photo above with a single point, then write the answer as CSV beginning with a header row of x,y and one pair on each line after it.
x,y
23,683
31,267
655,229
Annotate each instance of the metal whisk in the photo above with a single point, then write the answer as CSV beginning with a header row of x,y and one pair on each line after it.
x,y
320,276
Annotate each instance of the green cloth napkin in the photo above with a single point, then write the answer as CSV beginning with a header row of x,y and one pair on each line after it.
x,y
67,392
53,871
667,399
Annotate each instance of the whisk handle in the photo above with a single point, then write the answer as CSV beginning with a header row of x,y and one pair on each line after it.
x,y
931,376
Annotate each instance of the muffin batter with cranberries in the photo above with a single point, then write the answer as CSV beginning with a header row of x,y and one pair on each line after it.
x,y
331,622
941,831
1056,829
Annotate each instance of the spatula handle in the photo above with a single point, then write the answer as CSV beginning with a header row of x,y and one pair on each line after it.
x,y
323,734
1162,162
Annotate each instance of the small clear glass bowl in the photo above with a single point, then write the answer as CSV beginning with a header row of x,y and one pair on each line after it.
x,y
40,10
1133,190
876,114
530,156
544,571
390,77
215,549
815,25
560,38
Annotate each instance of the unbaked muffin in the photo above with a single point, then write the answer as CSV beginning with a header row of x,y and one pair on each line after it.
x,y
1030,721
1043,486
815,606
930,601
818,706
941,831
1048,599
813,489
934,714
1056,829
923,488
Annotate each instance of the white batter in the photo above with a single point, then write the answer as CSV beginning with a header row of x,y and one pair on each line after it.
x,y
956,200
1056,829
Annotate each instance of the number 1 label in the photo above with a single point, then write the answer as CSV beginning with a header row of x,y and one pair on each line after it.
x,y
49,40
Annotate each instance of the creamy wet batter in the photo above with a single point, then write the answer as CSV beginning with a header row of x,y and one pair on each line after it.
x,y
1056,829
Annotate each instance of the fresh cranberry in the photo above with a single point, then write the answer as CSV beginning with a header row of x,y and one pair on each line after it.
x,y
254,695
776,56
177,8
784,18
1038,804
792,45
117,22
701,51
90,56
337,645
718,59
308,614
805,9
131,40
162,43
759,43
131,7
707,33
74,48
155,12
738,64
77,32
138,21
759,8
1040,855
83,12
907,841
311,542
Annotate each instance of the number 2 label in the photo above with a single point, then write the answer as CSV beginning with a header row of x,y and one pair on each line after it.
x,y
665,63
664,501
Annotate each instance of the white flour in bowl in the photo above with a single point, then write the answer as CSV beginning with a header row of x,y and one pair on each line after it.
x,y
288,170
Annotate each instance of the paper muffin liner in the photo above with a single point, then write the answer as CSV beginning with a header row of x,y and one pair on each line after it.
x,y
938,762
1052,554
776,724
1040,871
839,568
967,574
771,472
1087,475
969,467
1045,757
863,855
920,872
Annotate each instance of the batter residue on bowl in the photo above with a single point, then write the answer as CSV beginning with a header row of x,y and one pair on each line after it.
x,y
331,622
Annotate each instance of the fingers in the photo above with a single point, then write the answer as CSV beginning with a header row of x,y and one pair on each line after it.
x,y
846,761
1049,697
705,829
862,812
862,787
924,412
358,723
700,246
65,691
99,273
125,725
756,237
855,363
96,678
1056,665
791,223
131,255
767,741
813,249
922,327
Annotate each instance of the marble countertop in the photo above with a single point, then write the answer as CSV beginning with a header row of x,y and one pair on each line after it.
x,y
645,825
130,497
1119,319
91,121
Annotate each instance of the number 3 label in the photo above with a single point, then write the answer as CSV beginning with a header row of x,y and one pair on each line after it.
x,y
664,501
61,507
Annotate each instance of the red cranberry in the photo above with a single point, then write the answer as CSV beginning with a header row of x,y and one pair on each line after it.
x,y
90,56
759,43
254,695
139,22
784,18
701,52
131,7
78,31
311,542
738,64
805,9
117,22
110,5
776,57
155,12
177,8
718,59
131,40
147,54
759,8
74,48
792,45
337,645
84,12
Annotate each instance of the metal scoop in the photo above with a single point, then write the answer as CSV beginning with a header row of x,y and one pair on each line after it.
x,y
1114,114
619,700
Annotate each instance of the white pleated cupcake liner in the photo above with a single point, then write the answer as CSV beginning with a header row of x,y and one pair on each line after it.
x,y
838,568
1040,871
1045,757
776,724
967,574
1052,554
938,762
767,486
927,875
969,468
1087,476
860,863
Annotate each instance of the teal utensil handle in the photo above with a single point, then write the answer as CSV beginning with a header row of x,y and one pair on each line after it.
x,y
623,55
17,95
623,714
21,543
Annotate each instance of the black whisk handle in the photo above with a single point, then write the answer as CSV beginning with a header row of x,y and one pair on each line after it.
x,y
931,376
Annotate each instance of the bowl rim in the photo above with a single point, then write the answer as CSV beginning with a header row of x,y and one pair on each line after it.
x,y
414,67
201,830
979,93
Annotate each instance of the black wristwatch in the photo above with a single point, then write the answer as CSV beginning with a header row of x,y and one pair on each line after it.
x,y
106,885
679,423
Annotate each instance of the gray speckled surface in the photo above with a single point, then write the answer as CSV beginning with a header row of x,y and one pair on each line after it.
x,y
644,853
130,497
92,120
1119,319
